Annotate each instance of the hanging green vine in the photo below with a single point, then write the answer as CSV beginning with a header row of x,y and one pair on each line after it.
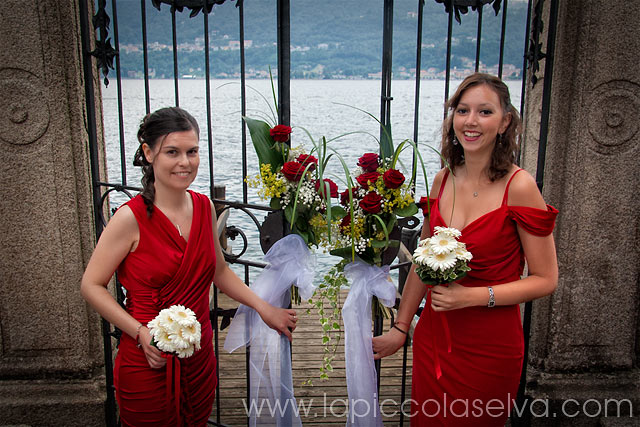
x,y
326,301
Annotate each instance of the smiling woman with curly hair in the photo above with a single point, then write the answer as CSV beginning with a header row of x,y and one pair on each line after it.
x,y
468,345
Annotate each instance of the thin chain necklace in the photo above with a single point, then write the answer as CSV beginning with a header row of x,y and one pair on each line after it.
x,y
475,192
175,224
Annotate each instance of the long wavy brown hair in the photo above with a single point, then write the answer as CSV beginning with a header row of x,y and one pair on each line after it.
x,y
153,129
505,150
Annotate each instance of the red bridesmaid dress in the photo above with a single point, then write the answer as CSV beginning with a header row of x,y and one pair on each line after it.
x,y
165,270
467,362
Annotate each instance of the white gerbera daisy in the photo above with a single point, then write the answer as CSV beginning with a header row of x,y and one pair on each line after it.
x,y
442,261
178,340
463,253
421,254
443,243
449,231
192,333
425,242
182,315
185,352
162,340
165,320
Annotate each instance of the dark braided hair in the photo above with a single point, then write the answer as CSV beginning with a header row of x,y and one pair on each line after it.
x,y
505,148
153,129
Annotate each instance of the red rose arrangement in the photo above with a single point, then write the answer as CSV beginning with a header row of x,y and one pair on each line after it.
x,y
280,133
371,209
291,180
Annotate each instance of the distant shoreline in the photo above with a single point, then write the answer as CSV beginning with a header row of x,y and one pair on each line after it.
x,y
358,78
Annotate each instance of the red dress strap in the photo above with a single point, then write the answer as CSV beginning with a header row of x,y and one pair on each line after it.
x,y
444,181
506,190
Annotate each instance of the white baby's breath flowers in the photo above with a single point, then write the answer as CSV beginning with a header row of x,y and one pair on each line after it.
x,y
176,330
295,152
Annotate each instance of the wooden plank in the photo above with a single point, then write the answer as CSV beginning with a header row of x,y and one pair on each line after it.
x,y
325,400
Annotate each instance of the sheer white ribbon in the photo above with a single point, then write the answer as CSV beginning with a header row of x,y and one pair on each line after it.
x,y
367,280
271,394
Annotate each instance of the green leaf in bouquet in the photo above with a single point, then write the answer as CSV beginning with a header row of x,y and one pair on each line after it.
x,y
301,223
385,244
304,235
391,222
342,252
263,143
406,211
313,240
275,203
288,214
338,212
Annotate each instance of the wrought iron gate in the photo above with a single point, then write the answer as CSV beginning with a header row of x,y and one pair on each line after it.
x,y
105,52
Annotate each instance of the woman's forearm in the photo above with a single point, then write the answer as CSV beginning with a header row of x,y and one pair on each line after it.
x,y
232,286
103,302
412,295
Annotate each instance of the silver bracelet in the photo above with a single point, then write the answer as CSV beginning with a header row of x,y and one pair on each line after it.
x,y
492,299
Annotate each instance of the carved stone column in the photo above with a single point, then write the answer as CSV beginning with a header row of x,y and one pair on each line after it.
x,y
585,338
50,342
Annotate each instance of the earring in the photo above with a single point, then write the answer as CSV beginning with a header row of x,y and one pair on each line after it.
x,y
500,138
455,140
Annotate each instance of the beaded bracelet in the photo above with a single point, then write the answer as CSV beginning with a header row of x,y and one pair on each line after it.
x,y
138,335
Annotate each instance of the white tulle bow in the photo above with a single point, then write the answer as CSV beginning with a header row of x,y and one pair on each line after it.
x,y
367,281
271,393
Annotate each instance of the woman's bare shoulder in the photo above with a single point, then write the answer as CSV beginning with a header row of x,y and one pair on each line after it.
x,y
437,182
523,191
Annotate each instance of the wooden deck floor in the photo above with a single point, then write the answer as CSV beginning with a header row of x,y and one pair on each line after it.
x,y
327,398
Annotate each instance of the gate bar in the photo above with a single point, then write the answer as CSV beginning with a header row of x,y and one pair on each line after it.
x,y
92,134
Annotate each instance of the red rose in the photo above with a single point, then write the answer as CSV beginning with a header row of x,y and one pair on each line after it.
x,y
344,196
346,221
372,203
364,178
305,159
333,187
280,133
369,162
393,178
293,171
424,205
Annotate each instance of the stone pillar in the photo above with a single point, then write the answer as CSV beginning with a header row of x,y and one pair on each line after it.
x,y
585,337
51,360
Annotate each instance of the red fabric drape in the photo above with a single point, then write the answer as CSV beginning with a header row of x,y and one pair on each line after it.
x,y
165,270
467,373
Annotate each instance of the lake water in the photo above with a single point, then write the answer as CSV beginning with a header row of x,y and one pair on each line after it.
x,y
315,106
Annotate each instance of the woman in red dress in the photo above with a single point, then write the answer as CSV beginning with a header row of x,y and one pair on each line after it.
x,y
468,345
164,245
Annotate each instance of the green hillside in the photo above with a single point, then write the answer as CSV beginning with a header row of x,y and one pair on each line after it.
x,y
329,39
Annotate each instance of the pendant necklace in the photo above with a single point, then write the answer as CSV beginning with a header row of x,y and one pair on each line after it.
x,y
475,194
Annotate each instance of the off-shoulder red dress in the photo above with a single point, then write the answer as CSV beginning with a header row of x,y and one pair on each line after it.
x,y
467,362
165,270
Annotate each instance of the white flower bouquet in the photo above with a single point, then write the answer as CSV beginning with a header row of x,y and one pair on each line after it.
x,y
176,330
442,258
